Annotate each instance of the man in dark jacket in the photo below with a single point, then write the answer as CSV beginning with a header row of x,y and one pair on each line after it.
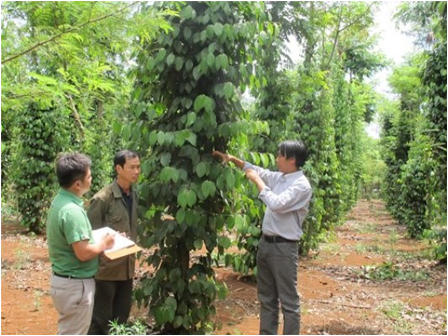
x,y
115,206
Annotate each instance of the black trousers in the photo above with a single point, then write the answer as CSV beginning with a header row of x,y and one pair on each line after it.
x,y
113,300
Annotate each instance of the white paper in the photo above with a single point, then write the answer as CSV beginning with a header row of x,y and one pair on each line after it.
x,y
120,241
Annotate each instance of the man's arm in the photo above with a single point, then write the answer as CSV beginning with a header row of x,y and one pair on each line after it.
x,y
227,157
267,177
293,198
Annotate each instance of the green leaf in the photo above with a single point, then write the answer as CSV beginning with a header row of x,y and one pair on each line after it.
x,y
187,322
218,29
187,33
160,315
178,320
161,137
201,169
117,127
169,173
230,223
192,138
219,90
224,242
208,188
203,66
171,303
186,12
191,218
228,90
180,216
191,198
150,64
179,139
188,65
194,287
222,291
170,59
222,61
165,159
166,312
210,60
209,104
191,118
239,222
197,73
199,103
238,262
182,197
161,55
205,19
264,37
230,180
264,160
179,63
197,244
126,132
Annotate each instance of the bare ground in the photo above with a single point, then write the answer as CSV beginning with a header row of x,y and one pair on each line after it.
x,y
368,279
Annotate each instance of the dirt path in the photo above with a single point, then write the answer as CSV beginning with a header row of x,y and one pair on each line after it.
x,y
368,279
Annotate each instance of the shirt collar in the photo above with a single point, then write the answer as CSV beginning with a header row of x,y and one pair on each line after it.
x,y
293,176
72,196
118,192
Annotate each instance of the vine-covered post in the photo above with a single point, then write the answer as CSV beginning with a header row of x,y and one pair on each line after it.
x,y
186,104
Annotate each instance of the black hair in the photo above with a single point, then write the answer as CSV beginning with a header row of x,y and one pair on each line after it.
x,y
71,167
294,149
121,157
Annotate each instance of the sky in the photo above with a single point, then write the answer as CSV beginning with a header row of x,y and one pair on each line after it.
x,y
393,44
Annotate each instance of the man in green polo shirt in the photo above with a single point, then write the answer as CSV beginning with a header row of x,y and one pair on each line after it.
x,y
73,253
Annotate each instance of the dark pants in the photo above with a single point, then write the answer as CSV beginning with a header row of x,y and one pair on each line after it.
x,y
113,300
277,265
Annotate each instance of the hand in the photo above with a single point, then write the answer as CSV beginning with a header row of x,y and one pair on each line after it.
x,y
167,218
252,175
224,156
108,241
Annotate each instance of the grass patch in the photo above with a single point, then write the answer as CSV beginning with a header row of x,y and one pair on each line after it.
x,y
331,248
361,248
21,259
395,312
365,227
389,271
133,328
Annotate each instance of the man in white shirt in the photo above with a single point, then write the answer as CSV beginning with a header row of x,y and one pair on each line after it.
x,y
287,195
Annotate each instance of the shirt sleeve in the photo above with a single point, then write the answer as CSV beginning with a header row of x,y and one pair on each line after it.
x,y
97,212
293,198
270,178
76,226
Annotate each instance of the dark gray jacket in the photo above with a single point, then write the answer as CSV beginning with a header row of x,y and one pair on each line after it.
x,y
108,208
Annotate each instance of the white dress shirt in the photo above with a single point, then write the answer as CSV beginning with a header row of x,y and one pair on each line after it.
x,y
287,197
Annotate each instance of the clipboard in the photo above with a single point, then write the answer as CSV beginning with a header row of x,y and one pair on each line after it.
x,y
122,252
122,247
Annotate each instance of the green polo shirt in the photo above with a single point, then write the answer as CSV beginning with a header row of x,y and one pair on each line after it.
x,y
67,224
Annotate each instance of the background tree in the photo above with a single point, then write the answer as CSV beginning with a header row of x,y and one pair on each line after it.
x,y
415,136
63,82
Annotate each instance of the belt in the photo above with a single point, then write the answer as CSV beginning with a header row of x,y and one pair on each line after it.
x,y
71,277
277,239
